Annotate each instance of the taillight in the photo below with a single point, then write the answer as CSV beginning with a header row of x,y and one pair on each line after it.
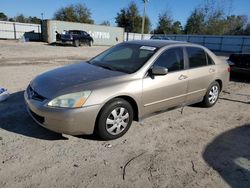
x,y
229,69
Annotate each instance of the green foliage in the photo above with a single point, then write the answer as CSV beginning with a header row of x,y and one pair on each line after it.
x,y
196,22
212,20
177,28
247,30
167,26
164,24
131,20
107,23
34,20
74,13
3,17
236,24
21,18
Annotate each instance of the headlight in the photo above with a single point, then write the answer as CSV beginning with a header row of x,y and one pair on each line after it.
x,y
73,100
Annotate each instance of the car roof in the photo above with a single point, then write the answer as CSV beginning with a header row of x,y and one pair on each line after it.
x,y
156,43
75,30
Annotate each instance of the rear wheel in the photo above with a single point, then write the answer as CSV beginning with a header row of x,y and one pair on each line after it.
x,y
212,95
76,43
114,119
90,43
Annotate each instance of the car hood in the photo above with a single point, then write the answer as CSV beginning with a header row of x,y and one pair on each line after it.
x,y
71,78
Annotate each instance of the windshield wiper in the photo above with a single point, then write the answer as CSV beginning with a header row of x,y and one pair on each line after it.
x,y
110,68
106,67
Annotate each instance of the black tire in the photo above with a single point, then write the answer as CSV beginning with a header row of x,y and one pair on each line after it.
x,y
76,43
106,113
90,43
209,99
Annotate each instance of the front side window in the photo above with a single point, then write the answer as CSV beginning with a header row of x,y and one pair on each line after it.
x,y
84,33
124,57
197,57
172,59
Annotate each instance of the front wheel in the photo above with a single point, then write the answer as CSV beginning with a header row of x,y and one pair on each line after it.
x,y
114,119
212,95
76,43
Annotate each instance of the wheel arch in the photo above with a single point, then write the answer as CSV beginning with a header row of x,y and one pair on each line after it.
x,y
127,98
220,83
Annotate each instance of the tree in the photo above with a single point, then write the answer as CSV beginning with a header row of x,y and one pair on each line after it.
x,y
33,20
247,30
196,22
235,24
74,13
3,17
216,23
20,18
211,19
11,20
107,23
164,24
177,28
131,20
122,20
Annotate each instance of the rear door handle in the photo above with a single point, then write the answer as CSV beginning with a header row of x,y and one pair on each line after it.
x,y
183,77
211,70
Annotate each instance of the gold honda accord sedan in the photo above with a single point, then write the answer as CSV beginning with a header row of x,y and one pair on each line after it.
x,y
127,82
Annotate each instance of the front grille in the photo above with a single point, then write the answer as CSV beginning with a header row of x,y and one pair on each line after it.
x,y
32,94
38,118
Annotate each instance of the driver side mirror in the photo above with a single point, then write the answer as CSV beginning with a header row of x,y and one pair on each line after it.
x,y
158,70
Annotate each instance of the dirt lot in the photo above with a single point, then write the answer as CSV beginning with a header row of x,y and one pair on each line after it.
x,y
197,148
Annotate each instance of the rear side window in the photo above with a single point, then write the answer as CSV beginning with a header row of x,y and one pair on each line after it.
x,y
197,57
171,59
209,60
74,32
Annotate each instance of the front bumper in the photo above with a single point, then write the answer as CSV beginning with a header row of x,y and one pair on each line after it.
x,y
68,121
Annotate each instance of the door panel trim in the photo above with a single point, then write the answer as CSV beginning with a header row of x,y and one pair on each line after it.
x,y
171,98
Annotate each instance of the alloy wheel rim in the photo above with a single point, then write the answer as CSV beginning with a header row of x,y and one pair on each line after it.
x,y
117,121
213,94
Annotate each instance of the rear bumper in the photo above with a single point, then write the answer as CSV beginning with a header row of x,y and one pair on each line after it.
x,y
240,70
68,121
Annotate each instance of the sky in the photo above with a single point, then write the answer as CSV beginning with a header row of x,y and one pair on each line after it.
x,y
103,10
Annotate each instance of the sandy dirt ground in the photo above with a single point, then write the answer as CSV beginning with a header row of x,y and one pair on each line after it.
x,y
196,147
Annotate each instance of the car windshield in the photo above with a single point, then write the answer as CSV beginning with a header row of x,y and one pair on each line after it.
x,y
126,58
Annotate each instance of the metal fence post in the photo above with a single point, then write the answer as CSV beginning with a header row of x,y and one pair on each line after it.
x,y
14,26
221,41
39,31
242,44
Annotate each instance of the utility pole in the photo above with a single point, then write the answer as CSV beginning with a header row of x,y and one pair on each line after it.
x,y
143,19
41,36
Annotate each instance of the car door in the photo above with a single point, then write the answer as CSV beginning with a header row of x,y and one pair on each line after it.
x,y
163,92
84,38
201,73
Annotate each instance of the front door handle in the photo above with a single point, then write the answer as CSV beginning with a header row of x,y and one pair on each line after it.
x,y
183,77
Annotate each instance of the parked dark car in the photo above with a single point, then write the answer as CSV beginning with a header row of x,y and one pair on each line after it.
x,y
75,37
240,63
